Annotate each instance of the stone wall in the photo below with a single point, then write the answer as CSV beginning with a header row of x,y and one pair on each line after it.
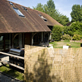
x,y
53,65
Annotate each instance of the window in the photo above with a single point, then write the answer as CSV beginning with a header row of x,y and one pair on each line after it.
x,y
7,41
1,42
11,3
18,12
24,8
1,38
43,17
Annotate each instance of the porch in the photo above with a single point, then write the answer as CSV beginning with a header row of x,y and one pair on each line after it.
x,y
18,40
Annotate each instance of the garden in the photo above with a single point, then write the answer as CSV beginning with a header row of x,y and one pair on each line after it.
x,y
67,35
59,44
5,69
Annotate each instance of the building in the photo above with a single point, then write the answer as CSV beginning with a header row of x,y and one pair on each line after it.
x,y
20,25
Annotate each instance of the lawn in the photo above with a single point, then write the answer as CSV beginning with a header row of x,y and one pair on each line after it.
x,y
12,72
59,44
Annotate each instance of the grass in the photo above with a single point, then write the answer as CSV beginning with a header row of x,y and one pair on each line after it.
x,y
59,44
12,72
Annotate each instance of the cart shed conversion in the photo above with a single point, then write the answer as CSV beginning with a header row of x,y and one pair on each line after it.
x,y
20,25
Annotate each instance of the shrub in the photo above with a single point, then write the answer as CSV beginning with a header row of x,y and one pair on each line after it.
x,y
57,33
70,33
68,44
76,37
68,30
66,37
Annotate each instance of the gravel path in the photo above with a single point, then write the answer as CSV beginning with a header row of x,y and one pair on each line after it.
x,y
5,78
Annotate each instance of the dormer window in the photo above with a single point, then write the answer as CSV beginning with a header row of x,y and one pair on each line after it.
x,y
11,3
18,12
43,17
24,8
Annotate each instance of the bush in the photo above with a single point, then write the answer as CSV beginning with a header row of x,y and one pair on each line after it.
x,y
66,37
70,33
76,37
69,45
57,33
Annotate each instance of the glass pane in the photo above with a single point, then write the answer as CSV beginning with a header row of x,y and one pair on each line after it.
x,y
11,3
1,42
18,12
24,8
7,41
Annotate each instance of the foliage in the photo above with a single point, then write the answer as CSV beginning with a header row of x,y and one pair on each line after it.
x,y
76,13
74,28
59,44
66,37
51,4
39,7
12,72
66,41
68,44
62,19
68,30
45,9
49,9
57,33
76,37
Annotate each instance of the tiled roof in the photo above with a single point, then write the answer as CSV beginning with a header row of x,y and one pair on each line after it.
x,y
11,22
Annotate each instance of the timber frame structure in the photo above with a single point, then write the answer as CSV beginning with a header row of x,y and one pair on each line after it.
x,y
20,25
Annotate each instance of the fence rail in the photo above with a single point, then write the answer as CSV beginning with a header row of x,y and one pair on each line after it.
x,y
11,55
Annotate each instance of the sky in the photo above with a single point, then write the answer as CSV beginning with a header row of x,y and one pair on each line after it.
x,y
63,6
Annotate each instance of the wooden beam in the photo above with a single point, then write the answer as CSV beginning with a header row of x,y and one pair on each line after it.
x,y
16,66
12,55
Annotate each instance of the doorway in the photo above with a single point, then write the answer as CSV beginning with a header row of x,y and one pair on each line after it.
x,y
17,40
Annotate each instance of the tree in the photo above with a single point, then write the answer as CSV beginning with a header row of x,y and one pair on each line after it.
x,y
45,9
68,30
49,9
51,4
76,13
57,33
63,20
39,7
74,28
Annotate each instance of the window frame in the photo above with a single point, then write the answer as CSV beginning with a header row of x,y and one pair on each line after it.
x,y
18,12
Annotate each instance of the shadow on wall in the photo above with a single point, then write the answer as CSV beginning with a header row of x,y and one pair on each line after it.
x,y
41,71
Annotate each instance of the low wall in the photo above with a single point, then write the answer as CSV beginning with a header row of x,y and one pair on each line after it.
x,y
53,65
